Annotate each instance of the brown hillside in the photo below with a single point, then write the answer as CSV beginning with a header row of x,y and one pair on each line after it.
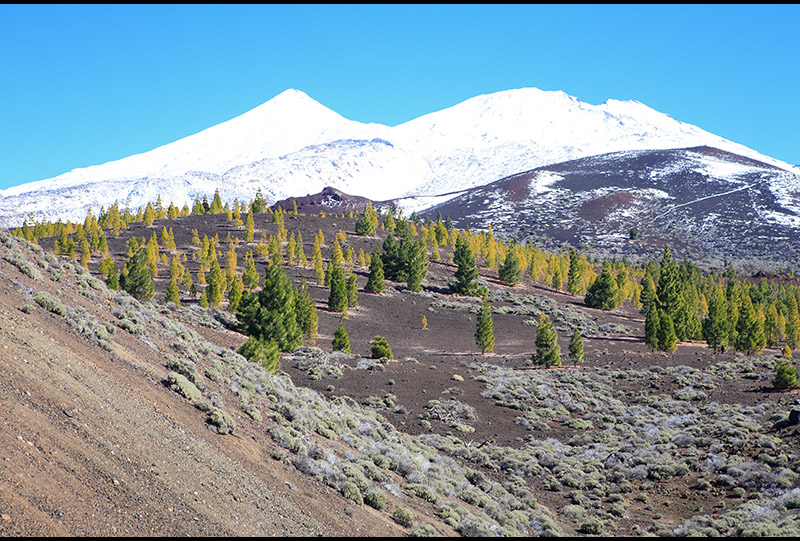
x,y
632,442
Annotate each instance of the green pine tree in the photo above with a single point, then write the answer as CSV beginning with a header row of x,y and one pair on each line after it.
x,y
172,294
750,337
576,347
652,327
375,282
380,348
548,352
417,266
215,291
352,290
466,275
138,280
271,313
667,340
261,351
484,333
367,224
604,291
337,299
715,324
306,311
510,271
341,341
235,293
575,273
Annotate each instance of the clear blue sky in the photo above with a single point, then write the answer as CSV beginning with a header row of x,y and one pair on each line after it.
x,y
82,85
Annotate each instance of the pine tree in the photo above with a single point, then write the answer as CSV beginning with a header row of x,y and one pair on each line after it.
x,y
149,215
235,293
375,282
511,270
380,348
750,336
671,293
792,324
337,300
604,292
352,290
271,313
306,311
172,294
367,224
417,266
667,340
261,351
216,204
113,279
152,254
576,348
316,261
548,352
771,319
203,302
250,277
574,275
341,341
715,324
466,275
557,282
215,291
647,295
138,280
484,334
396,255
652,327
106,267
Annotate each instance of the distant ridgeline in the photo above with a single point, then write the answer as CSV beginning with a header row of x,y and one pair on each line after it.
x,y
680,302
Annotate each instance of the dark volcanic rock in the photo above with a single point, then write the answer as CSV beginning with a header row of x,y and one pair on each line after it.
x,y
707,204
329,199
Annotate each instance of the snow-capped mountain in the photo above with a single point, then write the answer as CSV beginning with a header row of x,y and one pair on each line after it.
x,y
293,146
707,204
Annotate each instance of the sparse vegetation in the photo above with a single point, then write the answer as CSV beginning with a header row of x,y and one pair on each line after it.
x,y
608,438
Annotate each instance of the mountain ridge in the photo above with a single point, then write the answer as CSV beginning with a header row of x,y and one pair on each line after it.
x,y
292,145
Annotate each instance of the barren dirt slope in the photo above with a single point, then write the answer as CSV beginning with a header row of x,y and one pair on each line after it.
x,y
93,443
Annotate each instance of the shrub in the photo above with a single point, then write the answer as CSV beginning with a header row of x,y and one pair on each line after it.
x,y
181,385
50,303
375,498
403,517
221,420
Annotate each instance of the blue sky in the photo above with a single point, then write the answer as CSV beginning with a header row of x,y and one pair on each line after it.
x,y
82,85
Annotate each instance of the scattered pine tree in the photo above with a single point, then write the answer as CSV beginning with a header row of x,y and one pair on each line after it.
x,y
604,291
548,352
375,282
510,271
341,341
466,275
380,348
576,348
484,333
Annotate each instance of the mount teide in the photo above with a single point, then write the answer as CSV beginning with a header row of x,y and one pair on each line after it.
x,y
292,146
